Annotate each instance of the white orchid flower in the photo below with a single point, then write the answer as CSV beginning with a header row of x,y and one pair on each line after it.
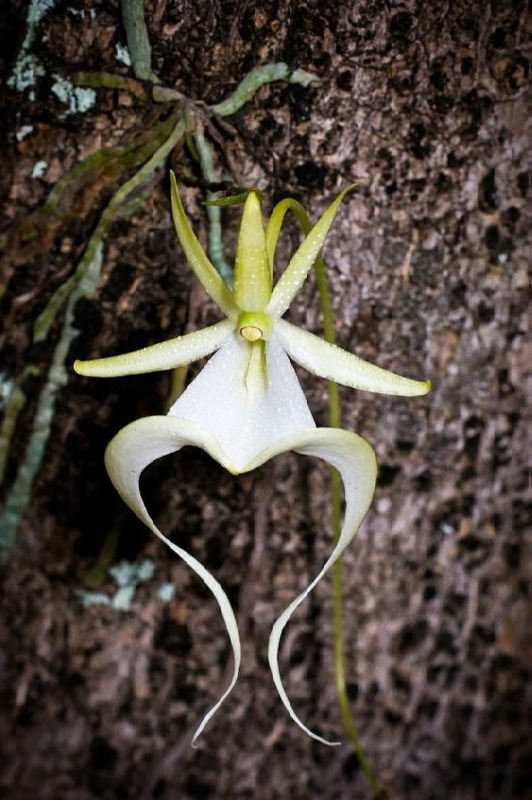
x,y
246,404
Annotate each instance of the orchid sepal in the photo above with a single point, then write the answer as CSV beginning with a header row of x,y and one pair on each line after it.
x,y
200,264
253,280
301,262
336,364
170,354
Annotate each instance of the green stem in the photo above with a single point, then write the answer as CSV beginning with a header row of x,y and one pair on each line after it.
x,y
45,319
77,173
211,174
15,403
334,419
138,42
70,196
267,73
81,284
110,80
334,415
20,492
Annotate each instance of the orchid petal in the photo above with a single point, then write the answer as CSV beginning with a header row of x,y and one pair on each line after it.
x,y
355,460
246,404
133,449
335,364
276,220
204,271
164,355
301,263
253,282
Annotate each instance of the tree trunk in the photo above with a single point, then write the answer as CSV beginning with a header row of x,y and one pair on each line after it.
x,y
422,105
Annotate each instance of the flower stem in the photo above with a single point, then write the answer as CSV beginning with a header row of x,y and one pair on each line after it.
x,y
212,174
334,415
348,722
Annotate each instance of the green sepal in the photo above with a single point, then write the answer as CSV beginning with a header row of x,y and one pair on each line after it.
x,y
252,281
202,267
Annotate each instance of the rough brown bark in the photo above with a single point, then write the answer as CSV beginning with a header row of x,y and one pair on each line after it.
x,y
423,105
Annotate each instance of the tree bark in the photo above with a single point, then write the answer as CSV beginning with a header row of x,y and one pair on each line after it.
x,y
423,105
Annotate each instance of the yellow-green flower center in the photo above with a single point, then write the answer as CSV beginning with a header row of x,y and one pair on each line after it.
x,y
254,325
250,333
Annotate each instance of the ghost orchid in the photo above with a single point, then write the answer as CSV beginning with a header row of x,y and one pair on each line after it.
x,y
246,404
